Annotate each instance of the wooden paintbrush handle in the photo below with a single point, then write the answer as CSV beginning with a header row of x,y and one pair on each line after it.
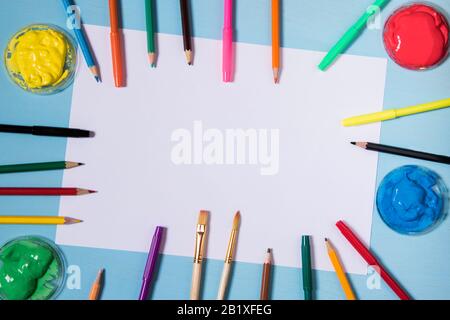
x,y
224,281
196,281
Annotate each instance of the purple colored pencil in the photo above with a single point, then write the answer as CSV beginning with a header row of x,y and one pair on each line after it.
x,y
151,263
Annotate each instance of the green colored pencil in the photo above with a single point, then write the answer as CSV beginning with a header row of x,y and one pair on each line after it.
x,y
150,21
43,166
306,268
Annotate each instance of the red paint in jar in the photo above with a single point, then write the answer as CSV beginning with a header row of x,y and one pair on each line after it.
x,y
416,36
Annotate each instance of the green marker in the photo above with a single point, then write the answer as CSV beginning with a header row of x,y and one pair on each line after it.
x,y
306,268
351,34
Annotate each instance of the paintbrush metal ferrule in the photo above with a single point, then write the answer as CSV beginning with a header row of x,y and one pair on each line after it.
x,y
231,246
199,243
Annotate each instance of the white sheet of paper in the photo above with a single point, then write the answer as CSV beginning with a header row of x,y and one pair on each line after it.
x,y
320,178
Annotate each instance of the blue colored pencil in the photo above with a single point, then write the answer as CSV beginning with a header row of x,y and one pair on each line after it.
x,y
83,43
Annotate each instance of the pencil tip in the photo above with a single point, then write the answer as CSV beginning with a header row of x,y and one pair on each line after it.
x,y
269,250
100,275
326,239
92,191
152,59
97,78
353,143
69,220
276,75
188,54
80,164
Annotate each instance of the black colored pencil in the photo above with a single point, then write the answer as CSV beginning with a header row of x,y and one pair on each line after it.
x,y
186,26
46,131
403,152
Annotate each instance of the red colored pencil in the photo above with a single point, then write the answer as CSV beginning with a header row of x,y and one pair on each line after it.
x,y
44,191
371,260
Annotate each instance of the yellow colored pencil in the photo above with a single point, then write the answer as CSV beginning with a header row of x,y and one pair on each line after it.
x,y
37,220
340,271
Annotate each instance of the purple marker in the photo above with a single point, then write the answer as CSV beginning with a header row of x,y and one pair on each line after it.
x,y
151,263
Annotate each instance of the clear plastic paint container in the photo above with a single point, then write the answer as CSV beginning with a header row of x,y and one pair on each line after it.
x,y
31,268
412,200
41,59
416,36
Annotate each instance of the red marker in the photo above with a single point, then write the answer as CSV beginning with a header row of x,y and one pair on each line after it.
x,y
371,260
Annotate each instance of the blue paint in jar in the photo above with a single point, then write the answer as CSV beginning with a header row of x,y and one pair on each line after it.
x,y
412,199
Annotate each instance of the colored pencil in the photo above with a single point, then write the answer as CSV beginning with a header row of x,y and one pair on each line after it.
x,y
151,263
150,24
306,268
395,113
38,220
340,273
42,166
266,274
80,35
186,26
229,257
352,34
46,131
227,42
116,44
276,40
371,260
401,152
199,252
97,286
44,191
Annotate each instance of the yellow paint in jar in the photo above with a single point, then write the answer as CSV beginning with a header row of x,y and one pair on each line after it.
x,y
40,57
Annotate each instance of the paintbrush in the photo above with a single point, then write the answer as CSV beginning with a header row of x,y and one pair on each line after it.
x,y
200,239
229,257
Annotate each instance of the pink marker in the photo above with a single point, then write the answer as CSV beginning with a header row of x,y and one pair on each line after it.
x,y
227,67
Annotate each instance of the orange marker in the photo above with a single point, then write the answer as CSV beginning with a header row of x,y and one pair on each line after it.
x,y
116,43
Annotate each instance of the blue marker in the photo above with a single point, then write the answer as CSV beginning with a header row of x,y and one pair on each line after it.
x,y
82,42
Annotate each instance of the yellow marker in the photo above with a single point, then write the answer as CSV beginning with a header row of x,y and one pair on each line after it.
x,y
37,220
395,113
340,272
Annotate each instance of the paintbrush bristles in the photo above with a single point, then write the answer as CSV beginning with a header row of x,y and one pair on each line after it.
x,y
237,220
203,217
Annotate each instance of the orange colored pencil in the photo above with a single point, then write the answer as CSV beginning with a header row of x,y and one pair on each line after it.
x,y
97,286
276,40
116,43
